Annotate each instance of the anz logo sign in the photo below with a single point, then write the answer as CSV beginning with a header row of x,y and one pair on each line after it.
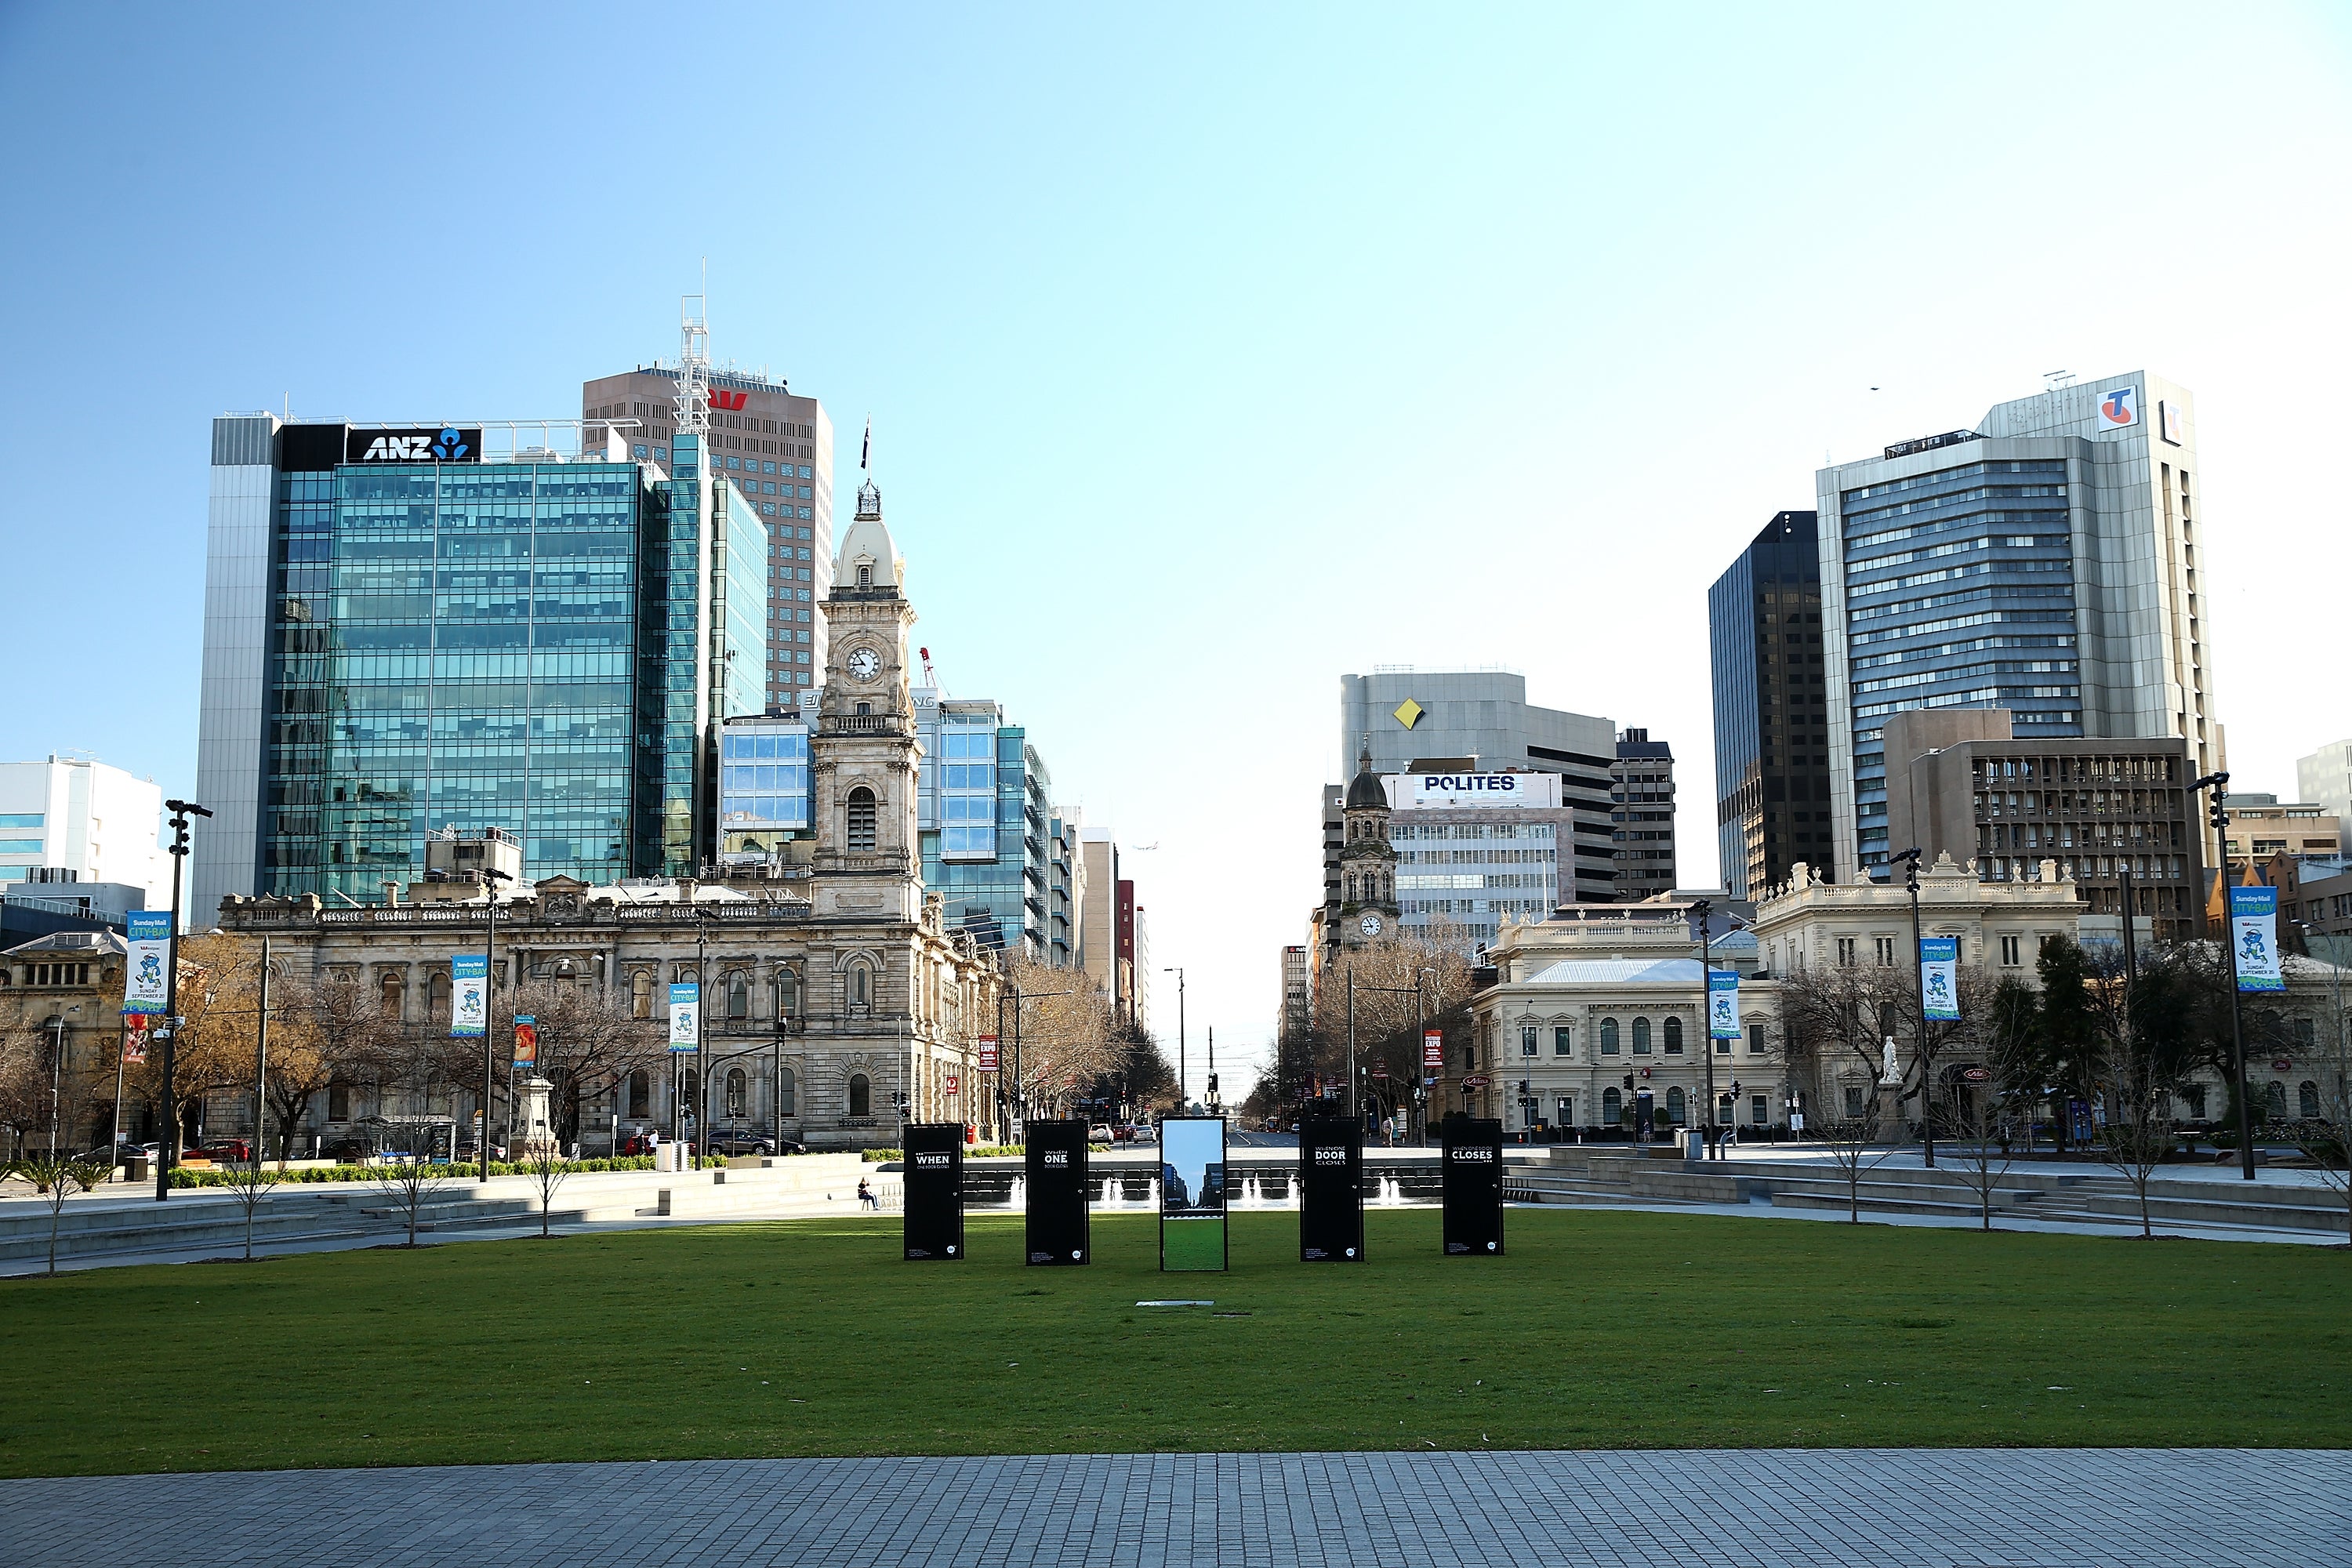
x,y
447,444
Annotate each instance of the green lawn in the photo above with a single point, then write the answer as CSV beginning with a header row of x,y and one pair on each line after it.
x,y
1598,1330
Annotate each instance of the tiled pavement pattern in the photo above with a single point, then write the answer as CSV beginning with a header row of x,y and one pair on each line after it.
x,y
2052,1508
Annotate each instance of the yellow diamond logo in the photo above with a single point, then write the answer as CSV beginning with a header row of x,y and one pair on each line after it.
x,y
1409,712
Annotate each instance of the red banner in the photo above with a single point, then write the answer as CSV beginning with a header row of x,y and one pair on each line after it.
x,y
1433,1048
987,1053
134,1037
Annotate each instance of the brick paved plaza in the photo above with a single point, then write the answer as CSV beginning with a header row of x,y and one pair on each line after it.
x,y
2062,1508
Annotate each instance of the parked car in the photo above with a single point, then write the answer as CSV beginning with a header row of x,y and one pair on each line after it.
x,y
1099,1132
227,1151
734,1141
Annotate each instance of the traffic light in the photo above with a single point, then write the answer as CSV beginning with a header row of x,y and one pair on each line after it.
x,y
1629,1080
1213,1086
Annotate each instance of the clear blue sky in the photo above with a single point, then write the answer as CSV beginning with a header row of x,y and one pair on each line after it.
x,y
1212,353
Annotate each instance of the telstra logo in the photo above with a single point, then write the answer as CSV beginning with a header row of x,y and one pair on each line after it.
x,y
2121,406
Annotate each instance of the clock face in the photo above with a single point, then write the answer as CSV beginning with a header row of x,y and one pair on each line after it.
x,y
1371,924
865,664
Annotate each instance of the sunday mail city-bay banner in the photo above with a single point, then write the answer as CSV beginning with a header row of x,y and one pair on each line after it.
x,y
1723,1003
469,994
685,1006
1939,977
146,983
2254,939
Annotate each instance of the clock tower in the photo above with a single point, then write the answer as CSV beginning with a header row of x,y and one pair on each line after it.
x,y
862,758
1368,908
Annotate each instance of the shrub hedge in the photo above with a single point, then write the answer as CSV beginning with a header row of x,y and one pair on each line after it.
x,y
182,1176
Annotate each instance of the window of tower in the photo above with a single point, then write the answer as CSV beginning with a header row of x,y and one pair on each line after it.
x,y
862,821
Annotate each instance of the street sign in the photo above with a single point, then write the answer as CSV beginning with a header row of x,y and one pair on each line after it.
x,y
1380,1069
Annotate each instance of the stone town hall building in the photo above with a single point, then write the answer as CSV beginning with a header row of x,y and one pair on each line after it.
x,y
835,985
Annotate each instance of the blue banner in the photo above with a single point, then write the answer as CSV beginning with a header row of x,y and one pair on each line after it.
x,y
685,1016
2254,939
1939,977
1723,1003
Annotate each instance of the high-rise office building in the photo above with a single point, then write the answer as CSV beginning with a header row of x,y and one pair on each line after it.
x,y
994,848
777,446
1464,721
81,821
409,629
1642,812
1107,940
1771,718
2045,562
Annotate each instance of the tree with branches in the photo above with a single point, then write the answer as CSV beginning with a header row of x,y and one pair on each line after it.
x,y
406,1174
56,1176
1400,983
587,1043
1831,1017
1068,1035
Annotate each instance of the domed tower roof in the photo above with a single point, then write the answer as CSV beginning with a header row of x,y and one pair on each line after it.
x,y
1364,790
868,559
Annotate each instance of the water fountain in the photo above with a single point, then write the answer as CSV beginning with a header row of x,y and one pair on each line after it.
x,y
1392,1196
1020,1198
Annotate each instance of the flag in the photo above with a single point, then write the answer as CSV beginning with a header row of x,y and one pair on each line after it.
x,y
866,453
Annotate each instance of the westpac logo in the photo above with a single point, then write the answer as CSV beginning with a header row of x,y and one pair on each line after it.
x,y
729,401
2120,407
447,444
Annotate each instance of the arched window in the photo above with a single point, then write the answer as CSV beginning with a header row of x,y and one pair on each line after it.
x,y
1608,1037
641,995
393,990
861,820
2307,1100
788,993
1351,887
1641,1036
787,1093
2274,1099
641,1092
737,1092
739,995
436,999
1613,1108
861,1095
1673,1036
1676,1108
861,989
865,576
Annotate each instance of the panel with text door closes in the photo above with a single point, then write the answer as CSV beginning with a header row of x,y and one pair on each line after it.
x,y
1330,1190
1474,1187
933,1226
1055,1178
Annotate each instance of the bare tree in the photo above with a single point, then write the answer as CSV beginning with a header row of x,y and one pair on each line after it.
x,y
56,1176
1983,1111
250,1183
1832,1016
1070,1034
585,1038
547,1168
406,1174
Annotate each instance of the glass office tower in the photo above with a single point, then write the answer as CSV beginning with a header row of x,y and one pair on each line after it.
x,y
2045,562
985,820
531,642
1771,716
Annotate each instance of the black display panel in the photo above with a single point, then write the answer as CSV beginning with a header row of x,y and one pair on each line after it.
x,y
1057,1178
1474,1187
934,1225
309,448
1330,1190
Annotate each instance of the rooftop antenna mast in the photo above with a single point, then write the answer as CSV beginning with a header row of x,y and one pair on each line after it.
x,y
694,361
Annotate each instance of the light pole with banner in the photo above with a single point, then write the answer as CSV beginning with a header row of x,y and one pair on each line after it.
x,y
1910,859
167,1146
491,878
1183,1086
2216,787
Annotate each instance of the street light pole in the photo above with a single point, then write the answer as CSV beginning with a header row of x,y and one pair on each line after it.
x,y
167,1147
1910,858
1183,1096
702,1024
1702,912
2216,787
261,1052
491,878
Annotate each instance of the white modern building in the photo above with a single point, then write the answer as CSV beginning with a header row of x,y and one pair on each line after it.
x,y
70,820
2045,562
2325,778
